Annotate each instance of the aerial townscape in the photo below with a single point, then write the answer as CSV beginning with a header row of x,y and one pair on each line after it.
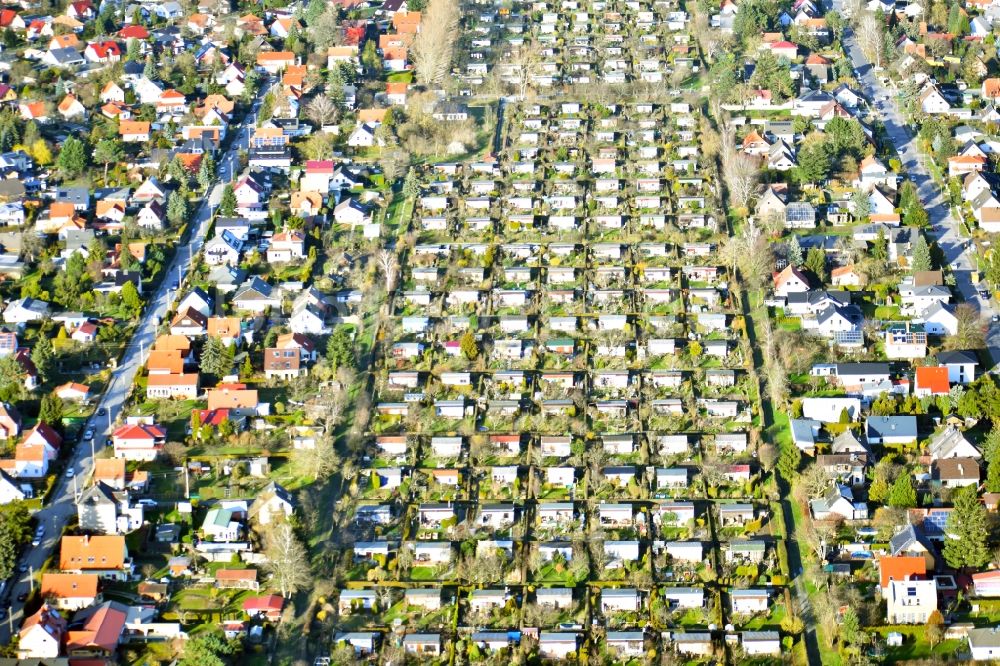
x,y
461,332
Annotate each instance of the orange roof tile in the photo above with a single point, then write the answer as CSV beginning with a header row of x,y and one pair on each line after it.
x,y
933,378
92,552
899,568
69,585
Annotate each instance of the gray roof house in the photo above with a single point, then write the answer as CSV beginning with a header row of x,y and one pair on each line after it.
x,y
891,429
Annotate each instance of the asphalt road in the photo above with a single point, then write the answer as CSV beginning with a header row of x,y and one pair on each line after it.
x,y
945,228
61,505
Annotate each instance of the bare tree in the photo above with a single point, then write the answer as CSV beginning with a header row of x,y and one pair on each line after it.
x,y
815,481
740,172
523,64
871,37
389,265
434,46
322,110
320,460
286,559
970,332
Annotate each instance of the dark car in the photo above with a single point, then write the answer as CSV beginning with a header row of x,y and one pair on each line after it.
x,y
23,596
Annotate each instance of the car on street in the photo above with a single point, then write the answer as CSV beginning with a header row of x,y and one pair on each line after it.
x,y
996,318
70,472
22,567
23,596
88,434
102,411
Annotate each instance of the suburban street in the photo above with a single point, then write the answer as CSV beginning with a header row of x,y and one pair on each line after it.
x,y
61,506
944,227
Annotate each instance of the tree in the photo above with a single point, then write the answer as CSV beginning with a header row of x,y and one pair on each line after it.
x,y
216,357
861,206
72,159
130,297
433,48
227,204
845,136
969,333
335,87
740,172
850,626
51,410
935,622
815,481
772,74
921,254
969,524
816,263
207,649
794,251
767,454
11,379
902,494
41,152
880,248
340,349
916,217
206,171
469,346
814,162
411,187
286,559
148,68
788,461
14,533
322,110
43,356
871,37
177,208
958,21
389,266
108,152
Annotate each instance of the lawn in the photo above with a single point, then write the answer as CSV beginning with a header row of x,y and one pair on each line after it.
x,y
915,645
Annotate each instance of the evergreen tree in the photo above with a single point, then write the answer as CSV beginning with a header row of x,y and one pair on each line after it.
x,y
43,356
969,524
335,86
213,357
131,298
227,205
861,205
411,188
177,171
176,208
815,160
206,172
340,349
794,251
149,70
72,159
51,410
880,248
921,254
902,494
816,263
